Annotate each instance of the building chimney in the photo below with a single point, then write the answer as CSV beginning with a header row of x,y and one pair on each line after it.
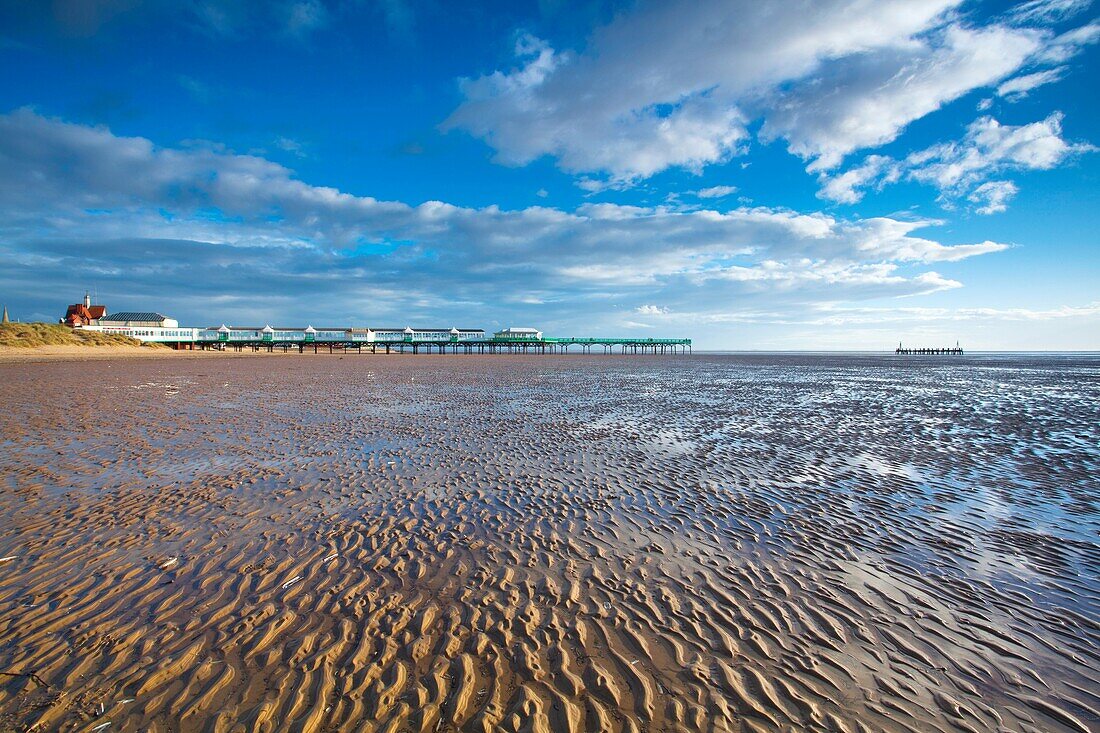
x,y
87,300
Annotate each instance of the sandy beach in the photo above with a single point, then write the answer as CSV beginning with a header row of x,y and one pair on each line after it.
x,y
720,543
18,355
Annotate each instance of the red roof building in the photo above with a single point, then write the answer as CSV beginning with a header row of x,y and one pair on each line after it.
x,y
83,314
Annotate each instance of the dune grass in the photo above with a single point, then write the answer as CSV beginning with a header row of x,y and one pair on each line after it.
x,y
30,335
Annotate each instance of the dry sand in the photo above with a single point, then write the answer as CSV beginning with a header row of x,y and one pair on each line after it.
x,y
549,544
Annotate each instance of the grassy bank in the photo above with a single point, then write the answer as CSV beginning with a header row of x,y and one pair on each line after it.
x,y
32,335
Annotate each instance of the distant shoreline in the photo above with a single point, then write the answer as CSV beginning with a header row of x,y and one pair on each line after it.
x,y
89,352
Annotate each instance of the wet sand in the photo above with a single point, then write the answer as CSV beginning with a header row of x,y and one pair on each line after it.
x,y
717,543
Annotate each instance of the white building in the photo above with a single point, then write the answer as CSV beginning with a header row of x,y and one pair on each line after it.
x,y
518,334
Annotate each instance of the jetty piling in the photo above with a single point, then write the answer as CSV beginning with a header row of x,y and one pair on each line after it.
x,y
955,350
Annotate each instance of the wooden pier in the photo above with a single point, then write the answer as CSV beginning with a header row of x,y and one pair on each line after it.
x,y
955,350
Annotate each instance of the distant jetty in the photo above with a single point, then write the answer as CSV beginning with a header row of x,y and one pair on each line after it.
x,y
949,350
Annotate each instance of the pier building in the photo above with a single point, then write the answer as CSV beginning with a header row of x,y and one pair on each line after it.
x,y
83,313
518,334
138,319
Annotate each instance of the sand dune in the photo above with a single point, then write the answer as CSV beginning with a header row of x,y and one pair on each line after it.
x,y
515,544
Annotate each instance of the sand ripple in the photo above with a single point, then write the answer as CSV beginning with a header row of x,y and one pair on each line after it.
x,y
509,544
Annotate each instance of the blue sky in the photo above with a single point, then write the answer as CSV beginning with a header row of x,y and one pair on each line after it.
x,y
838,174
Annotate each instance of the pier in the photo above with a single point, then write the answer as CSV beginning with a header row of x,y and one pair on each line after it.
x,y
156,328
955,350
473,346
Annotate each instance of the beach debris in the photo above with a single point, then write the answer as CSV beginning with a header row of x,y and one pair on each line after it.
x,y
330,557
292,581
168,563
127,700
101,726
31,675
9,558
100,710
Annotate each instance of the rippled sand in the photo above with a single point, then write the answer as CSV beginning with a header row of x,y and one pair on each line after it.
x,y
551,544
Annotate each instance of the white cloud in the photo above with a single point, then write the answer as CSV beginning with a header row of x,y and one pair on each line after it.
x,y
290,145
697,128
846,188
1067,45
866,101
651,310
826,315
961,169
1018,87
714,192
848,315
993,196
990,147
1046,11
77,199
680,103
826,84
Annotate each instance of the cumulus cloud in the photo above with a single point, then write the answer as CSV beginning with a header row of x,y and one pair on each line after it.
x,y
80,200
518,114
610,109
990,147
870,99
651,310
961,169
825,84
847,187
992,196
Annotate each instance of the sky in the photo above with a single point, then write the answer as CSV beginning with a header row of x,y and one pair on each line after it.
x,y
810,174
